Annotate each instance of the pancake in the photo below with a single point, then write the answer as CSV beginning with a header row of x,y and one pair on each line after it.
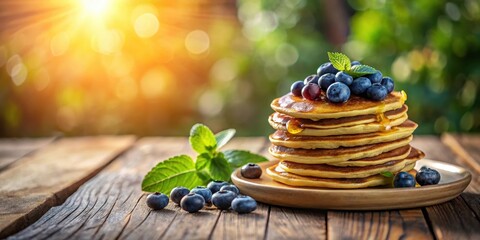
x,y
283,119
299,107
291,179
396,154
341,154
328,171
283,138
348,130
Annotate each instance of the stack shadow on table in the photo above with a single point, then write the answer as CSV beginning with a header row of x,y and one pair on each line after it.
x,y
349,145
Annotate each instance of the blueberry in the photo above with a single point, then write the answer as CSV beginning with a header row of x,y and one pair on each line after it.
x,y
326,80
403,179
311,91
377,92
326,68
204,192
231,188
215,186
338,93
251,170
354,63
387,82
223,199
360,85
296,88
178,193
311,79
376,77
427,176
244,204
192,202
343,78
157,201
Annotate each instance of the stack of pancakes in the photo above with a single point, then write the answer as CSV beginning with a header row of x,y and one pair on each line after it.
x,y
349,145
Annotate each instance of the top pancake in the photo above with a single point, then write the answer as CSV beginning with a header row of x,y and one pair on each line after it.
x,y
299,107
279,118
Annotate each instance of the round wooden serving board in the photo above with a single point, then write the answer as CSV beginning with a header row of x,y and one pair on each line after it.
x,y
454,180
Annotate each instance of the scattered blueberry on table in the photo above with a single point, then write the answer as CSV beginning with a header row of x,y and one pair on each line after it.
x,y
223,199
231,188
244,204
215,185
157,201
204,192
192,202
178,193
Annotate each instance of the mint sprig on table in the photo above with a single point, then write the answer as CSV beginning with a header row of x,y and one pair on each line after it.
x,y
341,62
210,163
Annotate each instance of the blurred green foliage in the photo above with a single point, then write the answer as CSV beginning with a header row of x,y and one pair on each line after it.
x,y
430,48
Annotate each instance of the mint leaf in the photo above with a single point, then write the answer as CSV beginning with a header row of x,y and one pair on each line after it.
x,y
238,158
224,136
217,166
340,61
387,174
360,70
173,172
202,139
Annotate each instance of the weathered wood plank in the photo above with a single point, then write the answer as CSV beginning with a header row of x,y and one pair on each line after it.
x,y
454,219
112,205
12,150
231,225
467,147
291,223
404,224
48,177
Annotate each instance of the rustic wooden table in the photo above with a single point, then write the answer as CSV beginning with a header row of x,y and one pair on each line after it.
x,y
89,187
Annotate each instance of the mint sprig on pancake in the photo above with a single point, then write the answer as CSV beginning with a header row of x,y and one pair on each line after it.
x,y
342,63
210,164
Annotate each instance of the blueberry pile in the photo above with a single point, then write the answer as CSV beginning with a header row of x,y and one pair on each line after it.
x,y
339,85
222,195
426,176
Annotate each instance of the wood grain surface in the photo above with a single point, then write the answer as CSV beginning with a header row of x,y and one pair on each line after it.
x,y
454,219
49,176
12,150
111,205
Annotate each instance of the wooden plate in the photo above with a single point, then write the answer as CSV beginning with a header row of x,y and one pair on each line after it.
x,y
454,180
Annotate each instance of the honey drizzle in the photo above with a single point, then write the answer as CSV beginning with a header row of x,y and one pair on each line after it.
x,y
382,119
294,126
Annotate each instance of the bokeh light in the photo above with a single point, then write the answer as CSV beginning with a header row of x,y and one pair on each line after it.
x,y
147,67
